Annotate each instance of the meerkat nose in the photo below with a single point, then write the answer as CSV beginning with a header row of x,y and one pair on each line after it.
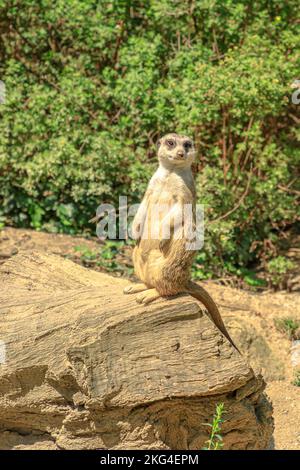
x,y
180,153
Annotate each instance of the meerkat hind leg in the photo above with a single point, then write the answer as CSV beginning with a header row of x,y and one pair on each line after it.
x,y
135,288
148,296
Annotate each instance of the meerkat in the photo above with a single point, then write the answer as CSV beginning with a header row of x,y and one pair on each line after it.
x,y
163,263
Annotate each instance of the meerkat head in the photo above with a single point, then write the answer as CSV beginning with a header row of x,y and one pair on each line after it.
x,y
176,151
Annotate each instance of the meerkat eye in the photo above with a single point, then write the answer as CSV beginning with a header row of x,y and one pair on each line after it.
x,y
187,145
171,143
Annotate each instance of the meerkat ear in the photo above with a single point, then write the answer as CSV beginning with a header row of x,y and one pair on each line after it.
x,y
158,143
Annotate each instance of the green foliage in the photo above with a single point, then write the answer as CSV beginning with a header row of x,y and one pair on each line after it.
x,y
91,85
215,441
107,257
278,268
288,326
296,380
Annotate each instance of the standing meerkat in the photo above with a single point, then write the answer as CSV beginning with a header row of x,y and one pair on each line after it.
x,y
163,263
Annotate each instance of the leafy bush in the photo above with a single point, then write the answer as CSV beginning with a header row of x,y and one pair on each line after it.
x,y
106,257
289,326
91,85
296,380
277,269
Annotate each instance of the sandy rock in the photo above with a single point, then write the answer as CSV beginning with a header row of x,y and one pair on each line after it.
x,y
250,339
85,367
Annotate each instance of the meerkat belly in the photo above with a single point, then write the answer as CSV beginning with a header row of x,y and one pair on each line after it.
x,y
158,219
149,259
164,206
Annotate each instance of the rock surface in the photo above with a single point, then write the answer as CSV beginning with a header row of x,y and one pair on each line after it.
x,y
85,367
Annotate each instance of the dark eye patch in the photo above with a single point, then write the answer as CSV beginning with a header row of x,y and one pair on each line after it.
x,y
187,145
171,143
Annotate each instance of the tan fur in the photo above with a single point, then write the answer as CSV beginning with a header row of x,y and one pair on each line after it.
x,y
164,264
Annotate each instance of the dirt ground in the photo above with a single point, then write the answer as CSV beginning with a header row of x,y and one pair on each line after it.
x,y
249,317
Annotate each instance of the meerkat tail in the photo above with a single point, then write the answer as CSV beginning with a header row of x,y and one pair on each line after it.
x,y
203,296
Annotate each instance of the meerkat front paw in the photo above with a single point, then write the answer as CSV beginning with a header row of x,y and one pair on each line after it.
x,y
134,288
147,296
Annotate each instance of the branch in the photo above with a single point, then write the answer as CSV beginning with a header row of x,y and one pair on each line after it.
x,y
288,190
238,204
